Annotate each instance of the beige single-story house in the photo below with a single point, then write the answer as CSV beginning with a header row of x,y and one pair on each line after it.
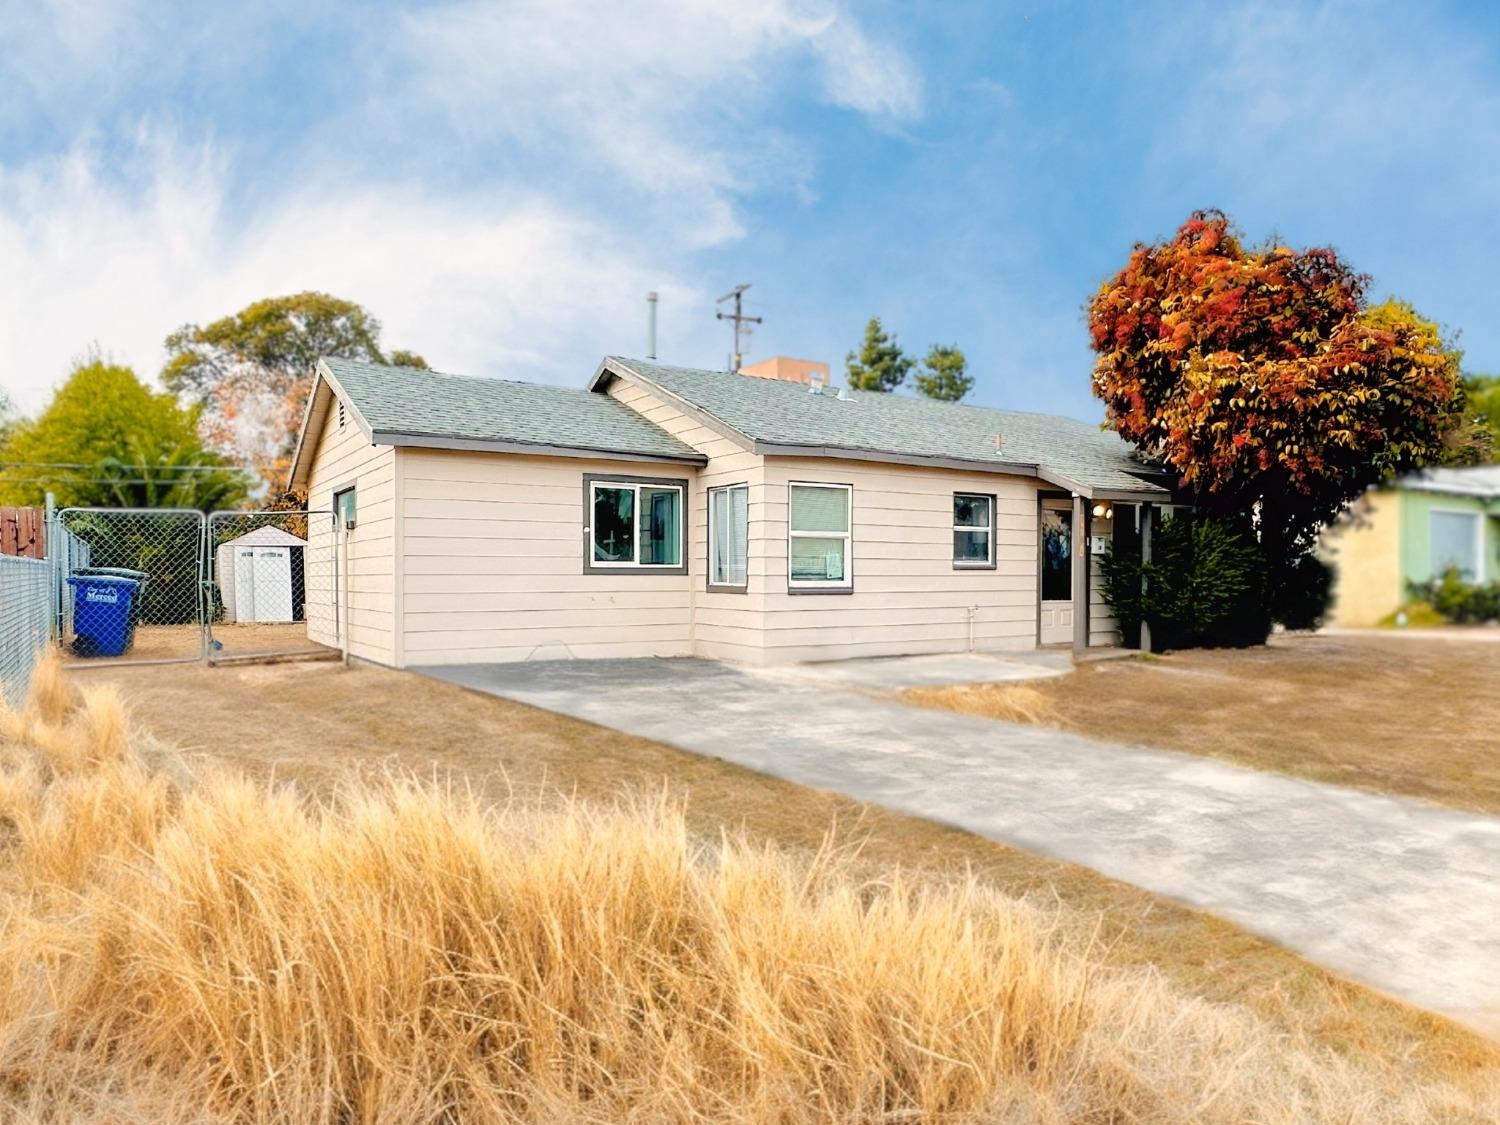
x,y
667,511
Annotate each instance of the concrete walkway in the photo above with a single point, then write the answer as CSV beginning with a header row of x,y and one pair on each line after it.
x,y
1396,893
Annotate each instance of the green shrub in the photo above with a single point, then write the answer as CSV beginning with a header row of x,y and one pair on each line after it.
x,y
1204,586
1458,601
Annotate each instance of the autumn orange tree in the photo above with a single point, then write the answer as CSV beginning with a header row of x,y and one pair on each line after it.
x,y
1265,379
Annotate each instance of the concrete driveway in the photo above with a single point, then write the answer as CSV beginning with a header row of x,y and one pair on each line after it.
x,y
1399,894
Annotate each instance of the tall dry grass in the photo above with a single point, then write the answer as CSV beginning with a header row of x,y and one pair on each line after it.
x,y
217,950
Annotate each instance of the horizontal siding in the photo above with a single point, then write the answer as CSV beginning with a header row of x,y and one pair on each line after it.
x,y
907,597
725,625
367,583
493,565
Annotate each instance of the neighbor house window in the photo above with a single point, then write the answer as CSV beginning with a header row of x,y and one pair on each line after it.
x,y
1455,539
973,530
818,537
729,537
634,524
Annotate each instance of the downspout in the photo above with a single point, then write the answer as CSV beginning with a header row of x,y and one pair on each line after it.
x,y
970,613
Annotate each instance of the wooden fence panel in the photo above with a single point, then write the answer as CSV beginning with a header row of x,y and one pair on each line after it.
x,y
23,532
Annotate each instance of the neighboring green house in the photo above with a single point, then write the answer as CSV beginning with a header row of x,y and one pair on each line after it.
x,y
1412,531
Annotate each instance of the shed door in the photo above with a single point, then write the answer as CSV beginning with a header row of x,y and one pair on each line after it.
x,y
273,585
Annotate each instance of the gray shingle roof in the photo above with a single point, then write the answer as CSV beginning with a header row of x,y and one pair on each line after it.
x,y
776,413
430,404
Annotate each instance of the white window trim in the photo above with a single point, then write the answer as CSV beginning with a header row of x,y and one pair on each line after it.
x,y
713,583
845,583
1480,577
635,545
988,563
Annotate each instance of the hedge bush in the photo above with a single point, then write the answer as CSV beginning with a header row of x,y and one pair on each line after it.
x,y
1458,601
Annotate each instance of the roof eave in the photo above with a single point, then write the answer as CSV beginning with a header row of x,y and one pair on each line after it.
x,y
539,449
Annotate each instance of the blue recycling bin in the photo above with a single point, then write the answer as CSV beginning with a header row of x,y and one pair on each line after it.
x,y
103,614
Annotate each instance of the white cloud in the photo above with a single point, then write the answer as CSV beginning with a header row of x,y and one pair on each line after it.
x,y
663,100
498,180
498,283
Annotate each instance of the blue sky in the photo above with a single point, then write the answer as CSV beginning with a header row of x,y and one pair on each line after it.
x,y
501,182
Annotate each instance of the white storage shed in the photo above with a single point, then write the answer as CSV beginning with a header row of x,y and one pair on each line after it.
x,y
260,576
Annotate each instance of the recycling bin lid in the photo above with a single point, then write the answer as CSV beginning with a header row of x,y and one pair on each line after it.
x,y
111,572
102,580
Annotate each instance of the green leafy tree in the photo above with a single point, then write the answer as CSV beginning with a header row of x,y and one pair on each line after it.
x,y
1482,394
106,439
945,374
251,372
881,365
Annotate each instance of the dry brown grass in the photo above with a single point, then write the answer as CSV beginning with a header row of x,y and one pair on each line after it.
x,y
312,724
1012,703
216,949
1413,716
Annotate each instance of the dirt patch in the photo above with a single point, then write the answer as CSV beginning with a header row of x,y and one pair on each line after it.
x,y
1414,717
185,642
310,723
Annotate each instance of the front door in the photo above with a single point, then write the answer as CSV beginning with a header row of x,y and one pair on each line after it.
x,y
1056,573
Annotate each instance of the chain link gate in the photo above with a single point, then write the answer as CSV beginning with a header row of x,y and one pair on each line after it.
x,y
129,583
273,587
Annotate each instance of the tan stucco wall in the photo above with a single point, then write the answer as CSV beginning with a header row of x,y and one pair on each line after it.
x,y
493,566
367,577
1364,547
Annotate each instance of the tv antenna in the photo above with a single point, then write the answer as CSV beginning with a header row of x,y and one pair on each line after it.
x,y
737,295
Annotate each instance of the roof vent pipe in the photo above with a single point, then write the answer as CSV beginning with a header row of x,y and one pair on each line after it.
x,y
651,325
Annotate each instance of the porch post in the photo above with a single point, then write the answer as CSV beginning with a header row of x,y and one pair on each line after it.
x,y
1081,570
1145,511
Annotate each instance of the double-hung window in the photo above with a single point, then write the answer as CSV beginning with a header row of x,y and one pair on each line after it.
x,y
634,524
973,531
818,538
729,538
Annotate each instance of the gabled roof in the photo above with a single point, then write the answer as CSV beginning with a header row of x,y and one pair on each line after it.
x,y
776,417
1482,481
431,409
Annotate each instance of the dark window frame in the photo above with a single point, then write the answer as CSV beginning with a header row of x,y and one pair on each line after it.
x,y
994,559
589,566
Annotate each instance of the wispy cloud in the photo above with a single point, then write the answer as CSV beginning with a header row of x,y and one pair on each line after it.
x,y
497,282
664,102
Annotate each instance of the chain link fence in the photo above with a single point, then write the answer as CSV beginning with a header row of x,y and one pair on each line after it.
x,y
273,585
130,583
25,622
